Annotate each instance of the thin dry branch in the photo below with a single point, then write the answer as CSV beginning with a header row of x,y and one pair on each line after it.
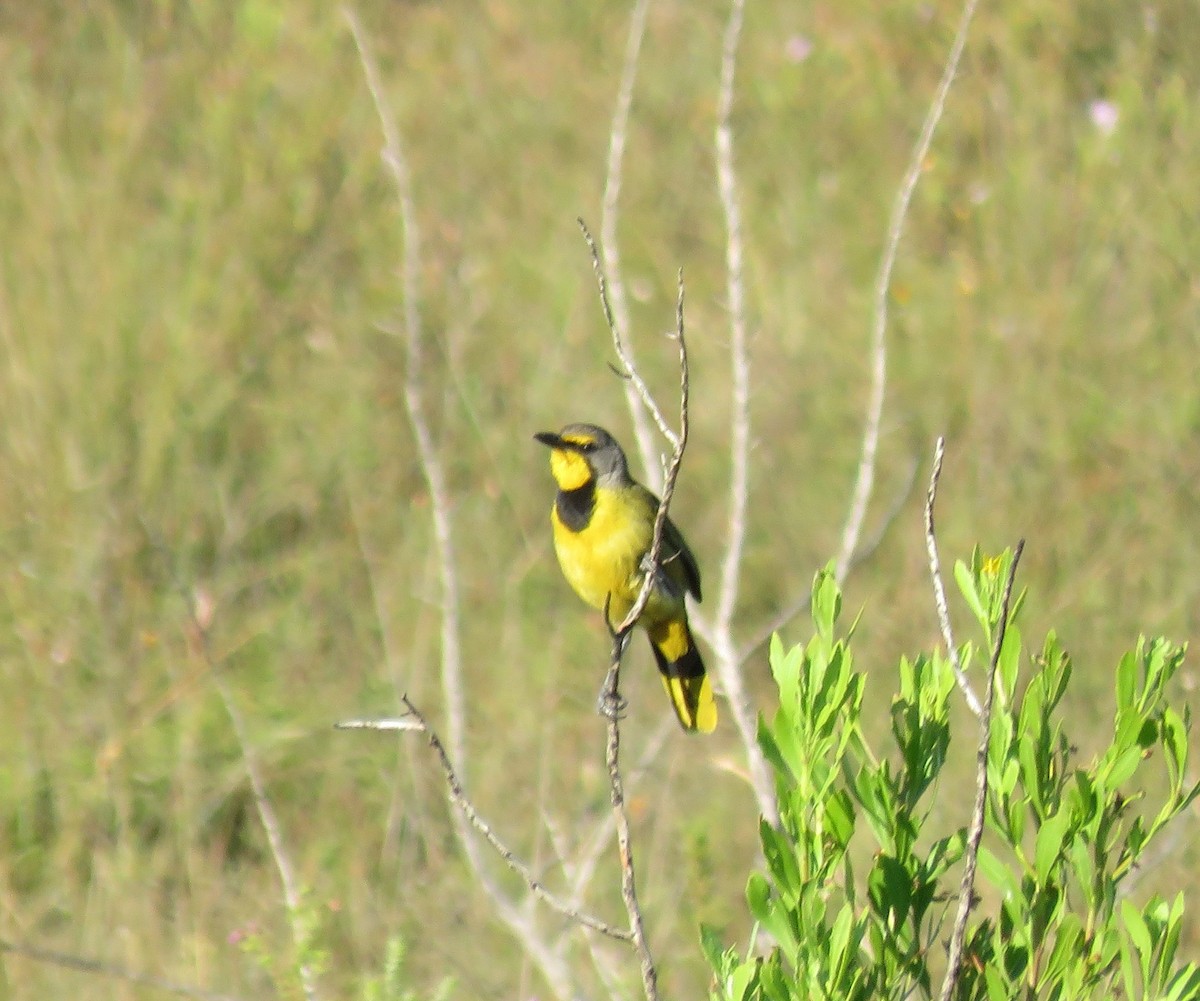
x,y
582,869
84,964
415,720
739,374
629,370
549,960
966,893
939,590
414,395
620,635
719,630
617,135
865,479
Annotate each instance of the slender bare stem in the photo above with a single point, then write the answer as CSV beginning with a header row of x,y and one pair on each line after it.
x,y
612,756
549,960
966,893
939,590
612,685
414,394
619,320
629,370
739,431
85,964
719,630
583,867
415,720
865,480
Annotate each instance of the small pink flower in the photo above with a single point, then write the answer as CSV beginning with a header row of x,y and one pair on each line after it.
x,y
798,48
1104,116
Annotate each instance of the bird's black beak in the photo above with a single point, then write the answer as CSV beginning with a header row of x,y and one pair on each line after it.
x,y
550,439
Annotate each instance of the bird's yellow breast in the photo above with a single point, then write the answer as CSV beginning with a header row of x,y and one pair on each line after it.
x,y
604,557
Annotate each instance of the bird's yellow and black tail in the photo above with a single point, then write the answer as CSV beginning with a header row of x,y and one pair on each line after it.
x,y
683,675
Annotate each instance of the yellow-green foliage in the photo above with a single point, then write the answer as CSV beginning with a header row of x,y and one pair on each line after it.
x,y
199,394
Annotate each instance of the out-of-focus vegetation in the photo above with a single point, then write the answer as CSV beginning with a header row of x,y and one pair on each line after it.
x,y
199,396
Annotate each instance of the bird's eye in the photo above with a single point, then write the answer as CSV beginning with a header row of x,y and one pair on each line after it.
x,y
589,446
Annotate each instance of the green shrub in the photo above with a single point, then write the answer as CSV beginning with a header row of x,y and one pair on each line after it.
x,y
862,882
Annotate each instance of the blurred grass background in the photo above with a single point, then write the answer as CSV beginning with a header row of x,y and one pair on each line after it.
x,y
199,254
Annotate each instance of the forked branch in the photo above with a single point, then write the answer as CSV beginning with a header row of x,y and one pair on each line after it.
x,y
620,634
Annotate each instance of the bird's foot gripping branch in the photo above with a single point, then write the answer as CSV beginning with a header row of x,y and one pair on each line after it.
x,y
863,884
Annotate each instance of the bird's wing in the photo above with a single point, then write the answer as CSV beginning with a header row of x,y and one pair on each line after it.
x,y
678,567
676,549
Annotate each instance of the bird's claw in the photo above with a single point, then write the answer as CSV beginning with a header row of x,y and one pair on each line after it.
x,y
611,705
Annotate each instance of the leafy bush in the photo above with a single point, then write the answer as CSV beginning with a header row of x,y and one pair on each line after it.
x,y
861,890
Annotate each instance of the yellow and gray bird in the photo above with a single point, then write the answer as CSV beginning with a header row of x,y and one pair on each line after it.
x,y
603,529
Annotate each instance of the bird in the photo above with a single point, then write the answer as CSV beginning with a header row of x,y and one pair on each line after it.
x,y
603,522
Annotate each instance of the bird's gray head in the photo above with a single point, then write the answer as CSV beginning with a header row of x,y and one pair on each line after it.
x,y
582,452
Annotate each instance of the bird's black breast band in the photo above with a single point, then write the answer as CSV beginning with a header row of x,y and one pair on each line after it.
x,y
575,507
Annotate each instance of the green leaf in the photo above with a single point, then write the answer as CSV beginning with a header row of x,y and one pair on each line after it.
x,y
758,895
890,886
1067,949
1031,771
826,603
1121,769
840,817
1010,661
1139,935
786,666
1126,682
770,913
839,940
999,874
966,584
781,861
743,980
1048,846
1185,985
997,985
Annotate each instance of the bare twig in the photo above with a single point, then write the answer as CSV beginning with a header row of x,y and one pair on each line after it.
x,y
619,635
719,629
966,893
739,431
582,869
865,480
549,960
415,721
631,375
939,590
414,395
85,964
619,320
612,756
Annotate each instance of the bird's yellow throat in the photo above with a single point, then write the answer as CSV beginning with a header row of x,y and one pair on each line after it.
x,y
570,469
